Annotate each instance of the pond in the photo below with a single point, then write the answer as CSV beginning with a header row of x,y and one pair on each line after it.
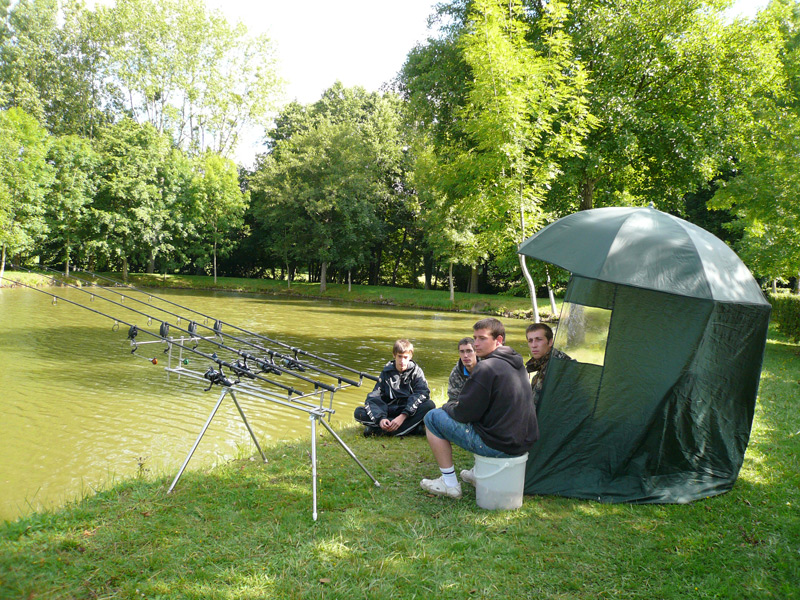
x,y
80,411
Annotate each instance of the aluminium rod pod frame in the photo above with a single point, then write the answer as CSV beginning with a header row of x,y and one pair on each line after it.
x,y
315,413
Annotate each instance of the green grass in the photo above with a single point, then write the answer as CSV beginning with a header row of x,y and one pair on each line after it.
x,y
244,530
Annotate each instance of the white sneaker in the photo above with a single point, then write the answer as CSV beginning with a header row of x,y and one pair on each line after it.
x,y
468,476
437,487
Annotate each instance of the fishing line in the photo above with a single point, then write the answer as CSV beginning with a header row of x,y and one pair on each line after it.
x,y
134,330
164,334
219,322
288,362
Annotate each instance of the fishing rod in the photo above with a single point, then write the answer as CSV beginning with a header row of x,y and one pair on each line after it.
x,y
215,377
218,326
192,331
267,366
289,362
228,387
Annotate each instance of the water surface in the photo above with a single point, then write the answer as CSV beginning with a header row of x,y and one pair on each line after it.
x,y
80,411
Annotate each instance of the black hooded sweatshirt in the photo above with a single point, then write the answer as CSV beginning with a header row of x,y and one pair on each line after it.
x,y
498,402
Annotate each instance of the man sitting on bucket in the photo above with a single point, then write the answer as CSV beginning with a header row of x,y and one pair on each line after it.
x,y
493,416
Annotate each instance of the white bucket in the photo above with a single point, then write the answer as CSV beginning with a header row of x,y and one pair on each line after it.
x,y
499,482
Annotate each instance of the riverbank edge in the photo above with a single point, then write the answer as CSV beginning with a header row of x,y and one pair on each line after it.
x,y
504,306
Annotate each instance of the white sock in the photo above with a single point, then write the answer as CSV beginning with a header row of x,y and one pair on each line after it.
x,y
449,475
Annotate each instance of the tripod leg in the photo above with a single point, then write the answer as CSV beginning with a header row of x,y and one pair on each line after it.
x,y
350,452
314,464
246,424
199,437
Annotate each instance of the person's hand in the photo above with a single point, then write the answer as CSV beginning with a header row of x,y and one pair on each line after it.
x,y
385,424
395,423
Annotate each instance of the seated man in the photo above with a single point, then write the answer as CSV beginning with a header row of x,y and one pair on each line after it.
x,y
460,373
401,398
540,344
493,415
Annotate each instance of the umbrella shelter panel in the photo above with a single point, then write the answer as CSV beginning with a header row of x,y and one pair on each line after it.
x,y
657,402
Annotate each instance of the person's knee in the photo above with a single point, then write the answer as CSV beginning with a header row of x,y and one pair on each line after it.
x,y
426,407
433,419
360,414
429,416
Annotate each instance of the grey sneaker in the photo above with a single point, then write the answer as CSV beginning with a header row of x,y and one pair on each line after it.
x,y
437,487
468,476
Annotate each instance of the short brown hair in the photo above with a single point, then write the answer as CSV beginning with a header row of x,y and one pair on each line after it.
x,y
402,346
465,341
548,332
495,327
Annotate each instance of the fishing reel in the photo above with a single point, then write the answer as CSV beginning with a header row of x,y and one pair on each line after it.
x,y
216,377
240,369
293,364
269,367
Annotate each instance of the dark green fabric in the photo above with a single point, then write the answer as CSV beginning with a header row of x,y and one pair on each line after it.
x,y
645,248
668,416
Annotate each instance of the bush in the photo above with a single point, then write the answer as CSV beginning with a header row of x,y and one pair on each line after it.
x,y
786,314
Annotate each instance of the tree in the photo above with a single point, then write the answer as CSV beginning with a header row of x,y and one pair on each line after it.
x,y
526,112
333,179
129,212
763,193
222,204
186,71
669,84
74,162
522,111
25,177
52,62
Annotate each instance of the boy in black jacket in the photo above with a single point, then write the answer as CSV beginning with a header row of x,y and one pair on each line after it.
x,y
401,398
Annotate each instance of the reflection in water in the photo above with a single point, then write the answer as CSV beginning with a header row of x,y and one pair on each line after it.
x,y
80,411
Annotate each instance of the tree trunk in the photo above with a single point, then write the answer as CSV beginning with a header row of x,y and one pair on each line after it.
x,y
452,287
323,272
375,267
2,263
531,287
349,280
587,193
215,262
151,262
550,293
473,280
125,269
774,286
427,265
399,256
288,276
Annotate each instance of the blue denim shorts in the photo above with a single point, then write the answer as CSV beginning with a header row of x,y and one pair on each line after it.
x,y
445,427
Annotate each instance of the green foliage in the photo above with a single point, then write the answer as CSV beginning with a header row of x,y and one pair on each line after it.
x,y
221,204
25,177
671,83
786,314
185,70
763,194
332,180
75,165
51,63
129,213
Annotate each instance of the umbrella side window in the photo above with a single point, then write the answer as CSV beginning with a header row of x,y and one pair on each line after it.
x,y
583,333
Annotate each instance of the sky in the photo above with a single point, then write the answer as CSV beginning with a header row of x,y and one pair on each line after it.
x,y
357,42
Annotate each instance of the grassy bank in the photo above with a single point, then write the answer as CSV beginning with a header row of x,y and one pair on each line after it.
x,y
244,530
509,306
